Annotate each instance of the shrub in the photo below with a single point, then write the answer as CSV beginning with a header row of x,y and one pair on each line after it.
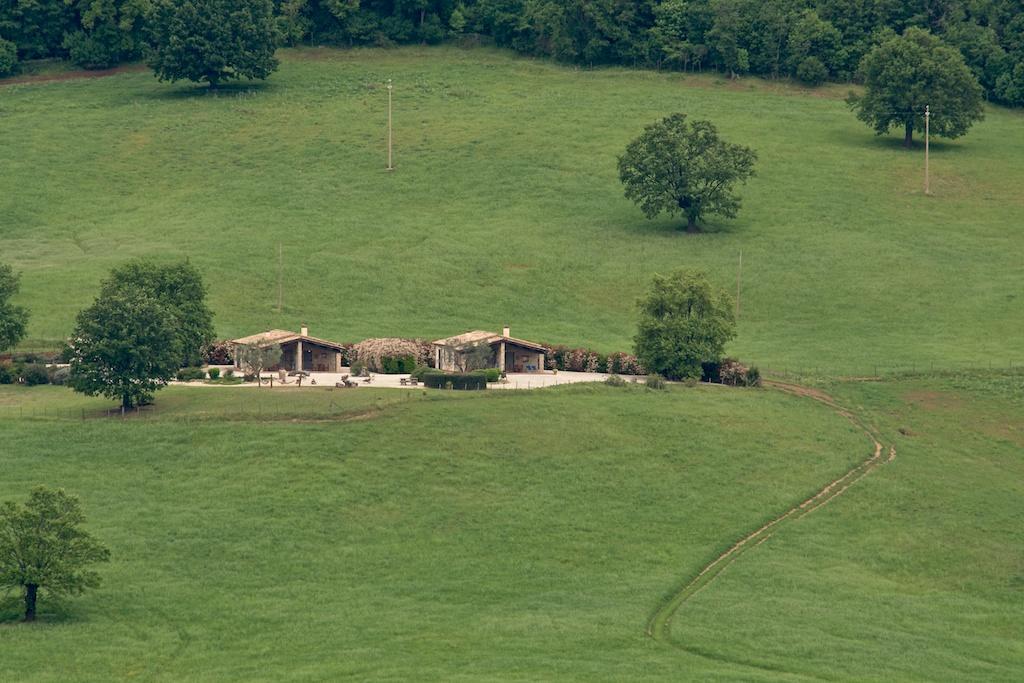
x,y
812,71
34,374
372,352
229,373
711,371
733,372
214,373
357,368
624,364
102,48
59,375
190,374
450,380
218,353
492,374
419,371
615,381
398,365
8,57
655,382
753,378
6,376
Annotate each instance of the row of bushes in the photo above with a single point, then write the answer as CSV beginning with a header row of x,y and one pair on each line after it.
x,y
33,374
192,374
587,360
435,379
732,372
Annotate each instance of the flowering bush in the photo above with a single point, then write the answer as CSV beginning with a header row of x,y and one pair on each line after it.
x,y
587,360
218,353
372,352
736,374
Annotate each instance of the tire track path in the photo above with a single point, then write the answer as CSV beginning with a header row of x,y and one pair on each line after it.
x,y
660,624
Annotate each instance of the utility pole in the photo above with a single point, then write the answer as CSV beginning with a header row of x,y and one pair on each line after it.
x,y
739,275
927,178
281,276
391,166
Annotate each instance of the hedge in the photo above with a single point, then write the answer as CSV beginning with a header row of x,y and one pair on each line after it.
x,y
453,380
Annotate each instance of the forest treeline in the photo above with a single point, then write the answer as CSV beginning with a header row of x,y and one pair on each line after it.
x,y
811,40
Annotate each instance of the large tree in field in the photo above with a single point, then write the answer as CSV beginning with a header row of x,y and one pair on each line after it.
x,y
42,546
13,319
125,346
907,73
684,321
677,166
212,40
178,286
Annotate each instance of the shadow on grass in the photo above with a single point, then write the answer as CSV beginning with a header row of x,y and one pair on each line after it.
x,y
50,610
675,226
894,143
194,90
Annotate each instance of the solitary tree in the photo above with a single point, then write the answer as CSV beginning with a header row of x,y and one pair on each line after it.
x,y
255,358
905,74
13,319
212,40
475,356
681,167
684,321
124,346
180,288
43,547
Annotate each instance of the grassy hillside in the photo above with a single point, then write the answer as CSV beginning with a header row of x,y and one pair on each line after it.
x,y
506,207
512,536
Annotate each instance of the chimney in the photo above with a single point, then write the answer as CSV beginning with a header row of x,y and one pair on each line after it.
x,y
304,331
506,331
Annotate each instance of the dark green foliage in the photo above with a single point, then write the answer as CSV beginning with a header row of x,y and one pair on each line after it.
x,y
42,546
34,374
684,322
6,375
218,353
812,71
436,379
677,166
126,345
906,73
179,287
491,374
753,378
190,374
13,319
420,371
212,40
397,365
214,373
8,57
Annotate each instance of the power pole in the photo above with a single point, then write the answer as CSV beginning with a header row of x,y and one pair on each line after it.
x,y
281,276
739,275
927,178
391,166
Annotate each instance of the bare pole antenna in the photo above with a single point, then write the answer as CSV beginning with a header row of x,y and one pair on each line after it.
x,y
739,276
391,166
927,175
281,276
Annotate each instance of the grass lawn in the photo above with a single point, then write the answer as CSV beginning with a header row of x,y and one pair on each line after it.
x,y
515,535
506,207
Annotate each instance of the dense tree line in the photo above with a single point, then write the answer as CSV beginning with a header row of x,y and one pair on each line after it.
x,y
812,40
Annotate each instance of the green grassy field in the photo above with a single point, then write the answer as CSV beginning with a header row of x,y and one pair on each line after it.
x,y
264,535
506,207
517,535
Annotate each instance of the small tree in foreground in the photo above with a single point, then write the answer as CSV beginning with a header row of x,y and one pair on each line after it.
x,y
212,40
43,547
681,167
13,319
905,74
254,358
125,346
684,321
475,356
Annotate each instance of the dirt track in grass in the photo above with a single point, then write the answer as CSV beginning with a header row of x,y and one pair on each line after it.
x,y
660,624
